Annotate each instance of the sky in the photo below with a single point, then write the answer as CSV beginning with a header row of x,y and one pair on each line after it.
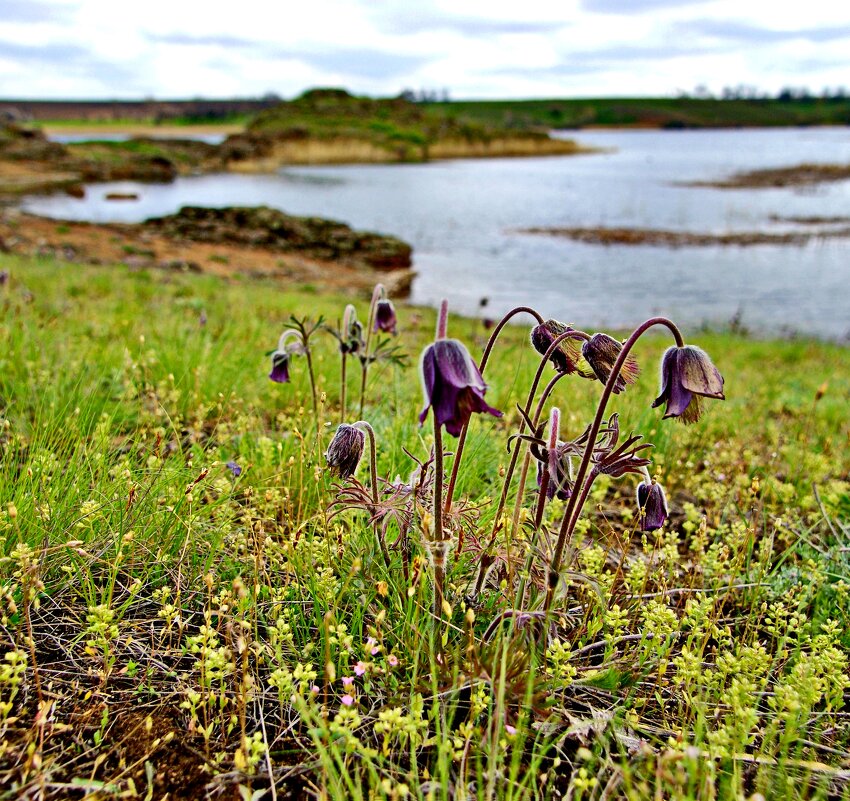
x,y
102,49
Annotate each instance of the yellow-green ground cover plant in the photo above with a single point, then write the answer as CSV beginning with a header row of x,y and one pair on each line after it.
x,y
224,576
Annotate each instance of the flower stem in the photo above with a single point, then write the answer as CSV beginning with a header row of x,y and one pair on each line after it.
x,y
377,294
439,536
576,501
373,465
442,320
461,442
312,381
342,389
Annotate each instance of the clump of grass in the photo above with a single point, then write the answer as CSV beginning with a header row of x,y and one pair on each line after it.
x,y
184,608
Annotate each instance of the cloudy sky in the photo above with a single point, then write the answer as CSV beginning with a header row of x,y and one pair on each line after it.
x,y
472,48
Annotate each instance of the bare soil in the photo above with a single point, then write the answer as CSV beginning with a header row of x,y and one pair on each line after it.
x,y
782,177
678,239
140,246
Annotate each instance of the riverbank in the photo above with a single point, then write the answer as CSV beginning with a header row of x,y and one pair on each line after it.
x,y
230,242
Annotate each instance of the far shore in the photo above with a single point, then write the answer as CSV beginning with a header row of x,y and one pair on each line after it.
x,y
139,129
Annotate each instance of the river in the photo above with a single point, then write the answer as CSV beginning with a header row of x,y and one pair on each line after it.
x,y
462,218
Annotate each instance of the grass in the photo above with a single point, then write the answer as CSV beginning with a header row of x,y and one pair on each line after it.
x,y
168,626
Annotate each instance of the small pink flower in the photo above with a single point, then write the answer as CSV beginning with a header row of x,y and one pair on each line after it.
x,y
510,729
375,650
347,681
315,689
360,668
347,699
392,659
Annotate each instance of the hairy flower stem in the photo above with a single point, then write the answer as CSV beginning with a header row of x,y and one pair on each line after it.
x,y
439,536
554,428
461,441
342,389
377,294
312,382
577,500
373,466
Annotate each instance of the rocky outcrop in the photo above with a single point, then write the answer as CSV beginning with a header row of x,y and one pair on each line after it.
x,y
272,230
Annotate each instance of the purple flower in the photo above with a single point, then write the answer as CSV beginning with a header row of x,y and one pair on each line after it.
x,y
601,353
4,277
652,504
347,699
280,367
565,355
687,374
453,385
345,449
280,356
385,319
234,468
360,668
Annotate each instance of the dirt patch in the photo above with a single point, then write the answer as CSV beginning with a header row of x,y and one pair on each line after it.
x,y
782,177
680,239
165,247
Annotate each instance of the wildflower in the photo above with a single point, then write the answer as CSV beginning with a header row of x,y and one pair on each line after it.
x,y
202,318
345,449
360,668
687,373
565,356
280,357
347,699
315,689
348,681
601,353
234,468
653,505
385,319
453,385
511,730
4,277
392,660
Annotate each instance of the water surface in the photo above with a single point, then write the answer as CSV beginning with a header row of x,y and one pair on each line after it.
x,y
461,218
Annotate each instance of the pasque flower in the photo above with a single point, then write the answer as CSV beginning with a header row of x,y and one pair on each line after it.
x,y
565,356
289,344
345,449
453,385
652,504
385,319
601,352
687,374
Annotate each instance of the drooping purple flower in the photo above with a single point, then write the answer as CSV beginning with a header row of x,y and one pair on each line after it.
x,y
280,367
453,385
652,504
234,468
565,355
286,347
687,374
4,277
345,449
385,319
601,352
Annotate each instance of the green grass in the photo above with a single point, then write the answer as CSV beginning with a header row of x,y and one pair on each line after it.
x,y
650,112
169,627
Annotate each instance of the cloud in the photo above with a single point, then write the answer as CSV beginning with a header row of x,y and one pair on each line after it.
x,y
33,11
188,40
739,32
421,21
360,62
634,6
70,59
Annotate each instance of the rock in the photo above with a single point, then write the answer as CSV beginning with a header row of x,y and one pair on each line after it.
x,y
271,229
122,196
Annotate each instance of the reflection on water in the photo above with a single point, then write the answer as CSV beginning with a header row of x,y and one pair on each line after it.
x,y
94,136
460,216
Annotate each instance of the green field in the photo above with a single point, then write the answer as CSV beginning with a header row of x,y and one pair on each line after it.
x,y
170,627
651,112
